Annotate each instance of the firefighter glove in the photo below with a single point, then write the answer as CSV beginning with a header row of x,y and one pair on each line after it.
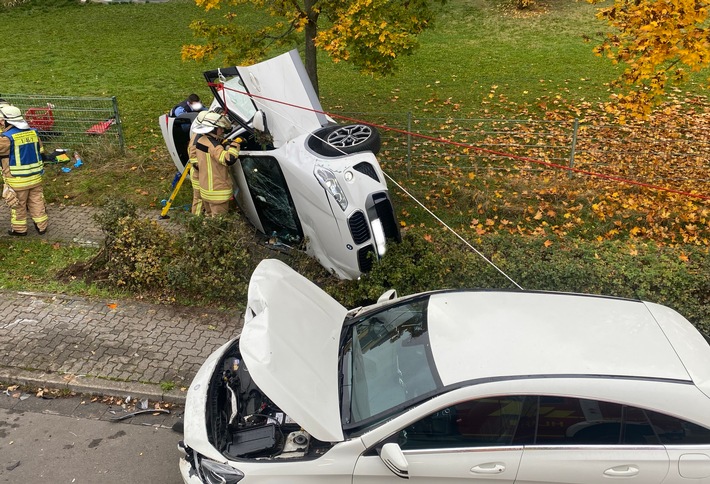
x,y
10,197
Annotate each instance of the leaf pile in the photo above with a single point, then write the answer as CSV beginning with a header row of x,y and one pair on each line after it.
x,y
513,177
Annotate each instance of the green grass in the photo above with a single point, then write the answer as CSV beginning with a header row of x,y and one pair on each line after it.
x,y
31,264
475,50
132,51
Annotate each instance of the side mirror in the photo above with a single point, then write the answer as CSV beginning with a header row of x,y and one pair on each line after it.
x,y
388,296
259,121
393,457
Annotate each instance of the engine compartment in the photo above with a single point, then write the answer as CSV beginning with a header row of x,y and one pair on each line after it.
x,y
242,423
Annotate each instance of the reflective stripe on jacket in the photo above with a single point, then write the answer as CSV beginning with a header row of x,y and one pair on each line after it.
x,y
213,162
194,171
22,162
25,157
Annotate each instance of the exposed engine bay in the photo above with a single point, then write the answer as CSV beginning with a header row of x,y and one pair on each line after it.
x,y
243,423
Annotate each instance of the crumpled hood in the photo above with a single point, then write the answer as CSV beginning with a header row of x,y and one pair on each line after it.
x,y
290,343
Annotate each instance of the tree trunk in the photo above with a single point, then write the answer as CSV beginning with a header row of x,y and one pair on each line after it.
x,y
311,55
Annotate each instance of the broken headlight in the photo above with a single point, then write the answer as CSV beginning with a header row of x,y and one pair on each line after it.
x,y
328,181
213,472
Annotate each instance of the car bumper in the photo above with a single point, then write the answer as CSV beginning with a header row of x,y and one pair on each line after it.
x,y
188,472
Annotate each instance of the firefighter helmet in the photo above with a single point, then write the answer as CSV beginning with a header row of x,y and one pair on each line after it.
x,y
13,115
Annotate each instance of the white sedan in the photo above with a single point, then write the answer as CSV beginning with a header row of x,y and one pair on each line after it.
x,y
450,386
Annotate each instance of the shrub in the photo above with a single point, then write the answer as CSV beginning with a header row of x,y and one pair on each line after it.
x,y
214,263
211,260
139,255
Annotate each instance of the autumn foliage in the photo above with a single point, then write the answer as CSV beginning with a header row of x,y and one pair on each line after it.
x,y
636,183
660,42
370,34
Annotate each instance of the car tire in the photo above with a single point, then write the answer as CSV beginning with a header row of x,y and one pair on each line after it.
x,y
347,139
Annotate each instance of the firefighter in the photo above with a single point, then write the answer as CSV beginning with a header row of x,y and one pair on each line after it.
x,y
198,129
22,168
213,162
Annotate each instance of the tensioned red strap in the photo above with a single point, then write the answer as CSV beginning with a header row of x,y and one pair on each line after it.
x,y
627,181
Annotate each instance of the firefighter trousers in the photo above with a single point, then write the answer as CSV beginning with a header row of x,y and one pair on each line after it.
x,y
32,201
213,209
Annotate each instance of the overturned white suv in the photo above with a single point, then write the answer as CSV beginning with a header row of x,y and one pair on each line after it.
x,y
300,177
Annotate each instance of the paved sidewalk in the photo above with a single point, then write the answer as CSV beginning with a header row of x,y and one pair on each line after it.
x,y
111,347
105,346
66,223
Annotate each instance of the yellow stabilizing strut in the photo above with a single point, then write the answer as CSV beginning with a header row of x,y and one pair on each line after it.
x,y
166,208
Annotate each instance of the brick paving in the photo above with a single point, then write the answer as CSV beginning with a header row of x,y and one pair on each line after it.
x,y
103,346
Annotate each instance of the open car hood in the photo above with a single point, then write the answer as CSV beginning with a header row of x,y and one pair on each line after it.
x,y
290,343
279,88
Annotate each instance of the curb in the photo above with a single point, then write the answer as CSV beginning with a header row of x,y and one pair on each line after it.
x,y
92,385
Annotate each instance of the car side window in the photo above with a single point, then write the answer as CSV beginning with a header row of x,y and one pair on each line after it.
x,y
575,421
564,420
477,423
674,431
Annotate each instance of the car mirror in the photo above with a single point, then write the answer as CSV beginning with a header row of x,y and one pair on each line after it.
x,y
393,457
388,296
259,122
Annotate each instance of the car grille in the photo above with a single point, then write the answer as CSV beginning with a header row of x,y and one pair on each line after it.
x,y
363,261
367,169
359,227
385,212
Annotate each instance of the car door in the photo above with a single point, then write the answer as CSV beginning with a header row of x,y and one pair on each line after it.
x,y
581,441
688,447
467,442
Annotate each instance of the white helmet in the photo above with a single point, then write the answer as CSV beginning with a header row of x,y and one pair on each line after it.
x,y
13,115
198,127
217,120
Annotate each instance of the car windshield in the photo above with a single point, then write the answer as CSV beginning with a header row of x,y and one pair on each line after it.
x,y
237,100
386,362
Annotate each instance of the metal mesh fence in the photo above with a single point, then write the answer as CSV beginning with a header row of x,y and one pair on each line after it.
x,y
650,152
71,121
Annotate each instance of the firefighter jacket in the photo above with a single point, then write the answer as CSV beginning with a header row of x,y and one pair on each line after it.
x,y
213,162
21,158
192,161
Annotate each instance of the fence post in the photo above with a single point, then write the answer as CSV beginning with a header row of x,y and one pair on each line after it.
x,y
121,143
573,147
409,143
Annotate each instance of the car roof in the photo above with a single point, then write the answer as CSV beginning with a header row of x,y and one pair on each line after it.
x,y
488,334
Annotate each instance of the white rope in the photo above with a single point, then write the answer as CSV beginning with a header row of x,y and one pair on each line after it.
x,y
468,244
453,231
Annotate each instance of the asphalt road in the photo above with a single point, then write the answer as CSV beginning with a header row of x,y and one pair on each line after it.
x,y
74,440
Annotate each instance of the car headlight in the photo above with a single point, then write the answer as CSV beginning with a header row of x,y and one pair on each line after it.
x,y
213,472
328,181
